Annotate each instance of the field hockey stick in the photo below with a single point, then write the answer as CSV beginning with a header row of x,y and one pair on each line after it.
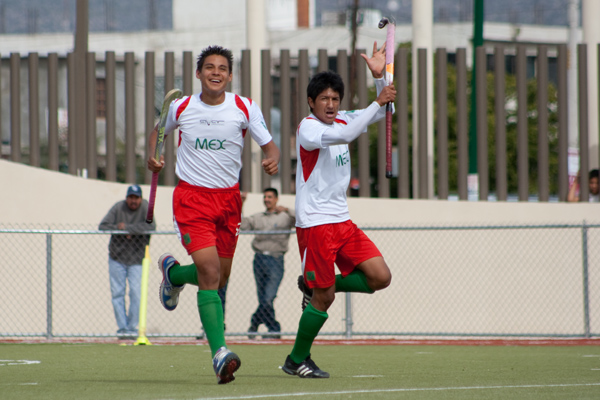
x,y
160,140
389,79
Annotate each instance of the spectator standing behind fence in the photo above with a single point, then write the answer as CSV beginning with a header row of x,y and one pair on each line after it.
x,y
594,190
268,258
207,206
125,254
326,234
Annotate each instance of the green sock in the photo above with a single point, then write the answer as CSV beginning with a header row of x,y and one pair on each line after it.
x,y
311,322
356,281
182,274
211,315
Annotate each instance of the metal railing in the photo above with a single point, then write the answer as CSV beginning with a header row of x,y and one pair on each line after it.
x,y
515,168
464,281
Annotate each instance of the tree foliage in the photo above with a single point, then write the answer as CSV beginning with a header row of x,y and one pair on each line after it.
x,y
510,122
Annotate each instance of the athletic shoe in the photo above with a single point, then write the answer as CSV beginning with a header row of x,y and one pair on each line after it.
x,y
306,369
225,363
306,292
169,293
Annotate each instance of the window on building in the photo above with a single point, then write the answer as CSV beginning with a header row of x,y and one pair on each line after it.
x,y
100,98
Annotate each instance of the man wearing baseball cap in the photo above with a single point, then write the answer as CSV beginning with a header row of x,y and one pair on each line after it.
x,y
126,250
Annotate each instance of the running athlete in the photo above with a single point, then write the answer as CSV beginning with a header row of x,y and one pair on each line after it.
x,y
206,202
325,233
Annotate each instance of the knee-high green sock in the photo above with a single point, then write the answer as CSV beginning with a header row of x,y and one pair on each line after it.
x,y
311,322
211,315
182,274
356,281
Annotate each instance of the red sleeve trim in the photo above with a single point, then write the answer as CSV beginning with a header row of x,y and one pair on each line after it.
x,y
182,107
242,106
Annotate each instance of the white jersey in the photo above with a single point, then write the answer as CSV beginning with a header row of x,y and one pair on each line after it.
x,y
211,138
323,169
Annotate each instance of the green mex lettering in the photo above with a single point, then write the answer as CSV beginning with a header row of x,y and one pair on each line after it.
x,y
342,159
214,144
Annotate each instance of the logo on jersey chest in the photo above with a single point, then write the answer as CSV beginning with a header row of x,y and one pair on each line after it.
x,y
342,159
210,144
209,122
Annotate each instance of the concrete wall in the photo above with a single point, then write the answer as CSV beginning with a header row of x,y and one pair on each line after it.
x,y
36,196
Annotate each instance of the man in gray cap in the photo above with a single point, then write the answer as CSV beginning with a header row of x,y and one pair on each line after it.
x,y
125,254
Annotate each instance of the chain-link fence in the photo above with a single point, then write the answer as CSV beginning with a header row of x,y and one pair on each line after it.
x,y
530,281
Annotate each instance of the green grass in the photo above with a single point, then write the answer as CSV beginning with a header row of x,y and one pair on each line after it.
x,y
110,371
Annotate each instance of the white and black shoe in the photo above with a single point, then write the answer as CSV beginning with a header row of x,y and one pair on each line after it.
x,y
306,369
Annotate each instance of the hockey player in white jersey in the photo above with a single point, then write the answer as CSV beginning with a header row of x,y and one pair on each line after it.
x,y
206,202
326,234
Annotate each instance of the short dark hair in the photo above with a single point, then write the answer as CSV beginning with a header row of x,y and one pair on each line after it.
x,y
594,174
325,80
273,190
215,50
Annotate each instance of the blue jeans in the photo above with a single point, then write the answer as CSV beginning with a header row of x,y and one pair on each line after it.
x,y
120,274
268,273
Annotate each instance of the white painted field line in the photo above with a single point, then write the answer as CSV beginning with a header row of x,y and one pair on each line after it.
x,y
434,389
4,363
18,384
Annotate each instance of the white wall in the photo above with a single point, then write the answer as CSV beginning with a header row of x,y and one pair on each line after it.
x,y
37,196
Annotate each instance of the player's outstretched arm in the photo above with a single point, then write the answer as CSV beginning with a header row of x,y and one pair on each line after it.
x,y
271,161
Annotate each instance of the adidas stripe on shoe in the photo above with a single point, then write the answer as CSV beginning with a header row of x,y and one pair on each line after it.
x,y
306,369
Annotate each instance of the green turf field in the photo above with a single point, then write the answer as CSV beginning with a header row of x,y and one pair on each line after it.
x,y
111,371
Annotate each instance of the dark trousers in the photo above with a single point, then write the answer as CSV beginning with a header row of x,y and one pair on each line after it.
x,y
268,273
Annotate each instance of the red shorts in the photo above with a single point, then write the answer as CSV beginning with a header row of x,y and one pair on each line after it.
x,y
205,217
323,245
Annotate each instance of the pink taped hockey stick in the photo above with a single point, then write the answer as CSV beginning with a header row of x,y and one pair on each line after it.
x,y
389,79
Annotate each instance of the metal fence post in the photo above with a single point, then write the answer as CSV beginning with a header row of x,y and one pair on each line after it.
x,y
586,294
49,285
349,321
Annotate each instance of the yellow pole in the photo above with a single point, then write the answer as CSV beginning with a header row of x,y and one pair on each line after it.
x,y
142,339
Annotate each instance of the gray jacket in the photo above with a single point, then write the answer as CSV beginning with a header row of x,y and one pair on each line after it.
x,y
128,249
